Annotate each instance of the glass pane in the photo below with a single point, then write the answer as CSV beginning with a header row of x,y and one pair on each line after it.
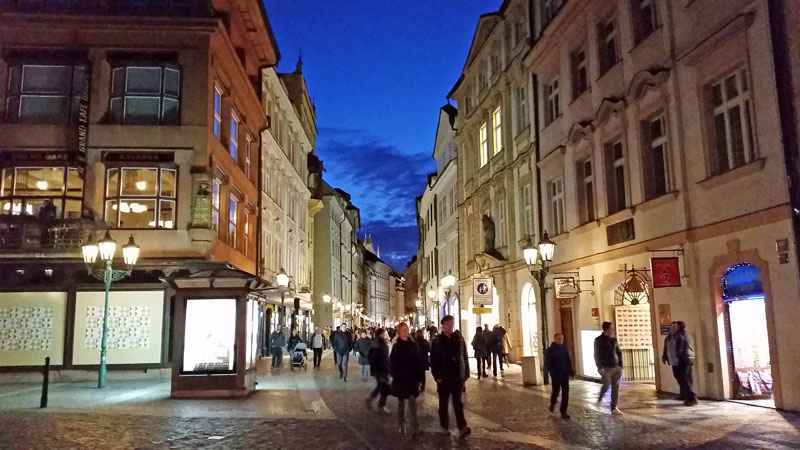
x,y
34,206
74,183
16,207
216,127
659,171
77,79
12,109
166,214
137,213
142,110
8,180
743,78
655,129
617,151
217,102
721,139
716,94
39,181
731,88
118,81
170,114
112,182
111,213
139,181
5,206
232,210
172,82
143,80
116,109
73,209
14,80
619,187
215,194
46,79
37,109
168,182
737,138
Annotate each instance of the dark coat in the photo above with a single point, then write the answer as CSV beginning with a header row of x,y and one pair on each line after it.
x,y
496,340
557,361
449,361
363,345
607,352
407,370
379,358
293,340
342,342
684,347
479,345
425,353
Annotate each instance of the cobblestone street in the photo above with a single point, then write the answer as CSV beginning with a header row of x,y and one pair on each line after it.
x,y
314,409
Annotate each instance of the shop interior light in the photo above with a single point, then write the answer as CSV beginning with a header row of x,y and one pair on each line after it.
x,y
107,247
130,252
326,298
41,185
141,185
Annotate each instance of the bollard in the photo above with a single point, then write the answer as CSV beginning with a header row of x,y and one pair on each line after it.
x,y
45,382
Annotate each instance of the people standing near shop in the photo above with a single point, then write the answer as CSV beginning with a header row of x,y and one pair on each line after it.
x,y
479,346
450,369
559,365
424,354
487,340
342,345
506,348
408,374
608,358
496,349
276,342
362,347
317,344
379,367
684,348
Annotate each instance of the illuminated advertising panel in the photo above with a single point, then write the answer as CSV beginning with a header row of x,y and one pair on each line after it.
x,y
208,343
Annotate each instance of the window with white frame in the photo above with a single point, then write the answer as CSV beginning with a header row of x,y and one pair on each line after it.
x,y
233,146
616,190
655,155
233,212
645,18
553,103
145,94
248,155
26,190
608,39
215,193
246,227
527,210
556,191
42,93
585,177
497,142
484,140
580,73
140,197
732,122
501,223
522,109
217,110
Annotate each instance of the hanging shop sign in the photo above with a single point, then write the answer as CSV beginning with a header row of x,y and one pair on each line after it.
x,y
482,291
666,272
633,327
565,288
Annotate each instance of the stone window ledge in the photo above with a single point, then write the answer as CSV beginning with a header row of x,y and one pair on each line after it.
x,y
653,203
733,174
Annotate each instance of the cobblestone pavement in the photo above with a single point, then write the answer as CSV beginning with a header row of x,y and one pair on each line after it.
x,y
316,410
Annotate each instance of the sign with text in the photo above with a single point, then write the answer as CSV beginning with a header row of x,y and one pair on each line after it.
x,y
481,310
565,287
666,272
664,319
482,291
633,327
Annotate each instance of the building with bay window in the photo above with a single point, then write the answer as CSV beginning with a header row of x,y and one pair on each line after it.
x,y
143,121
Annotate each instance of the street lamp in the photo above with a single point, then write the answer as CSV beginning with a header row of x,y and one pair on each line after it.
x,y
106,248
538,259
326,298
448,282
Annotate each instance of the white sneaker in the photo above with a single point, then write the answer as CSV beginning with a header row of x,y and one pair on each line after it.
x,y
617,412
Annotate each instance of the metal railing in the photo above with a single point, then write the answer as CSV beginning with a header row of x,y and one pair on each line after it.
x,y
25,235
639,365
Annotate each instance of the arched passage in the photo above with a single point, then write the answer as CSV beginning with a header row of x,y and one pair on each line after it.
x,y
530,321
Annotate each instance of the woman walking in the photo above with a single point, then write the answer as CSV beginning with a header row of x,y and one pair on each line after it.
x,y
407,374
362,347
379,366
424,353
481,354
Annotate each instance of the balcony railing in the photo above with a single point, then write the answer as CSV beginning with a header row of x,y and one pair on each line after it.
x,y
26,236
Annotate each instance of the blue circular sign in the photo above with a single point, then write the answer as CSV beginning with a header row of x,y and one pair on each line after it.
x,y
483,288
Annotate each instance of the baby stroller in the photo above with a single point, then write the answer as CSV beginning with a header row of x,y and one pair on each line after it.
x,y
298,356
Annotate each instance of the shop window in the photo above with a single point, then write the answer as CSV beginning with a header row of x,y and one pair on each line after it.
x,y
26,190
140,197
145,95
40,93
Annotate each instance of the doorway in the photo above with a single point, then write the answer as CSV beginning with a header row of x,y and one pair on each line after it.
x,y
567,329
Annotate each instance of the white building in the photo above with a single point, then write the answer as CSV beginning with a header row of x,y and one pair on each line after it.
x,y
378,278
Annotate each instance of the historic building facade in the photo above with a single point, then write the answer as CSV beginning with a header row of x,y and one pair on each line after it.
x,y
662,180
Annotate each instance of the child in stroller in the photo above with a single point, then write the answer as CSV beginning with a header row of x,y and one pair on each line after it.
x,y
298,356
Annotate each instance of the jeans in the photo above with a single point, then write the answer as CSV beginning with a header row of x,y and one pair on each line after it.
x,y
481,366
560,383
317,357
277,357
341,362
364,371
446,390
382,387
412,410
683,375
611,377
495,358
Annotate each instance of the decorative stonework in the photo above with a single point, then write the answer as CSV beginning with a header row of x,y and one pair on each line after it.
x,y
26,328
128,327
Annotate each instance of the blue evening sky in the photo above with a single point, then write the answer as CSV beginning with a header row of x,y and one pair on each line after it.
x,y
378,71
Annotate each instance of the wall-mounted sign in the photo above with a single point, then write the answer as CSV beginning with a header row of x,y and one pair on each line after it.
x,y
482,291
633,327
156,157
664,319
666,272
565,287
481,310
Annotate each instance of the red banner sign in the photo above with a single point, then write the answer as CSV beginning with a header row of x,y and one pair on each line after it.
x,y
666,272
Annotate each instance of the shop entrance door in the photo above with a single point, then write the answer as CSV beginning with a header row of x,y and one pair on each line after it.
x,y
567,331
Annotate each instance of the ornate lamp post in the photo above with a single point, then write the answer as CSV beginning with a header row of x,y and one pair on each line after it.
x,y
432,296
448,282
538,259
106,273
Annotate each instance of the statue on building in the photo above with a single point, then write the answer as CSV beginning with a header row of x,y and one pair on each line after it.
x,y
488,233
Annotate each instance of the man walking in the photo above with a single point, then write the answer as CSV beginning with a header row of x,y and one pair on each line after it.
x,y
684,349
559,365
342,345
608,358
317,341
450,369
276,342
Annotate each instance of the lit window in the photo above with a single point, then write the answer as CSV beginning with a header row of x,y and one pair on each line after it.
x,y
140,197
234,132
233,202
217,110
43,93
733,137
553,104
501,223
497,142
145,95
484,139
655,155
25,190
615,177
556,190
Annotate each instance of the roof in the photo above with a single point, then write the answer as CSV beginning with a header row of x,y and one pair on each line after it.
x,y
451,112
485,26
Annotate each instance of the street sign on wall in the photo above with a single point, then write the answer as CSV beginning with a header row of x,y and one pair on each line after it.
x,y
482,291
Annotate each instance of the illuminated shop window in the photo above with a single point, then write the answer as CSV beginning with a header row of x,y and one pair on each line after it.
x,y
25,190
141,197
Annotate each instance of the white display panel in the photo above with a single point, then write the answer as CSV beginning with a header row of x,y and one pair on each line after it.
x,y
32,326
135,324
253,321
210,336
587,353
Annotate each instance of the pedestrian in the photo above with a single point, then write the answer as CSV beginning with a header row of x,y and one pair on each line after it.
x,y
559,365
450,369
496,349
317,344
432,332
506,347
362,347
424,353
608,358
327,335
294,339
407,376
392,333
342,345
479,346
684,350
276,342
379,367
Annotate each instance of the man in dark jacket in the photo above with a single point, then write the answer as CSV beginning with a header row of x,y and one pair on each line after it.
x,y
559,365
496,348
342,345
608,358
684,349
276,342
450,369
